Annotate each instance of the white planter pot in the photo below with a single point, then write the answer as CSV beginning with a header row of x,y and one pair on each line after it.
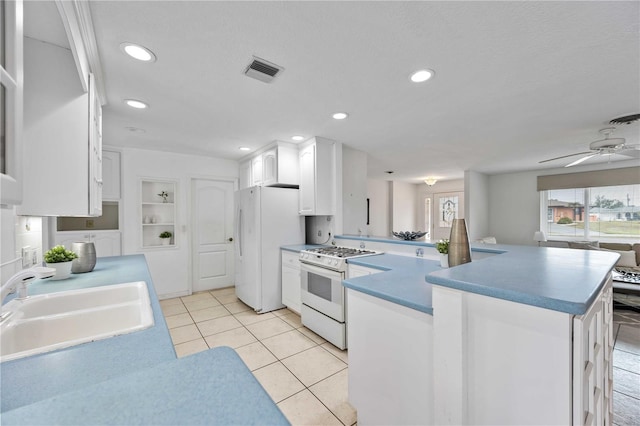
x,y
63,270
444,260
165,241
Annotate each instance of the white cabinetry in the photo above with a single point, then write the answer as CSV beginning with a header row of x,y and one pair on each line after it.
x,y
256,171
245,180
274,165
107,243
354,271
110,175
317,178
62,146
157,212
291,296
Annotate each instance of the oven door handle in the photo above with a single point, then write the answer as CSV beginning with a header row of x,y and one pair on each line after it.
x,y
325,272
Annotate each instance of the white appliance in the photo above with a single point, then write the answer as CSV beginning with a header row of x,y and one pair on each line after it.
x,y
323,297
266,218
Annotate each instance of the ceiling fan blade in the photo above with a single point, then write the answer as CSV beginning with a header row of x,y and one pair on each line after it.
x,y
565,156
581,160
630,151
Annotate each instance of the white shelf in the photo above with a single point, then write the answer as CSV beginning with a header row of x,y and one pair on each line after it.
x,y
153,208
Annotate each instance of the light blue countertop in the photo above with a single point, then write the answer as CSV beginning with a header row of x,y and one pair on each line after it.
x,y
564,280
560,279
131,372
34,378
402,283
191,390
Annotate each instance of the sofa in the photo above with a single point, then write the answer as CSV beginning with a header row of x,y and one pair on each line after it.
x,y
629,253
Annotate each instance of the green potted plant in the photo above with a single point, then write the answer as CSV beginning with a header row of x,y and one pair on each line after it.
x,y
443,248
60,259
166,238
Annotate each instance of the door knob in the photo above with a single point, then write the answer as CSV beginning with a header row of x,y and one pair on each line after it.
x,y
230,239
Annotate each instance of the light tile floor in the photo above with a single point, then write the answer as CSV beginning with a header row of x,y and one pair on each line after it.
x,y
307,376
626,368
303,373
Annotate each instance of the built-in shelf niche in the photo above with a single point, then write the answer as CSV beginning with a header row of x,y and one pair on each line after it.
x,y
157,213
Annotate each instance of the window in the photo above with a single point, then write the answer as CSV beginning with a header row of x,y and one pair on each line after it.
x,y
607,213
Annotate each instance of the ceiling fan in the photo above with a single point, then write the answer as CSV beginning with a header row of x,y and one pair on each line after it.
x,y
606,146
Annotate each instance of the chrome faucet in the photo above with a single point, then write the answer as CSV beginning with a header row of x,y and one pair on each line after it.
x,y
21,279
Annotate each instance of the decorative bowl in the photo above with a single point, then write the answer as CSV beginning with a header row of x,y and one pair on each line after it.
x,y
409,235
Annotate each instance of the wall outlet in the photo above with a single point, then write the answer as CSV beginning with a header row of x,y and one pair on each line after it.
x,y
89,223
319,233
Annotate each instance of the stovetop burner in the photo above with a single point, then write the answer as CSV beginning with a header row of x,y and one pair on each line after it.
x,y
341,251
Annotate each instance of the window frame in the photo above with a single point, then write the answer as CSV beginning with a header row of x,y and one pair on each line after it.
x,y
546,218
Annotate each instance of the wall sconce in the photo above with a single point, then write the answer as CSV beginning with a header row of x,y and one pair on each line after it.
x,y
430,181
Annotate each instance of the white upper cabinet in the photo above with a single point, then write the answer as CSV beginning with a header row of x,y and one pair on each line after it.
x,y
62,143
274,165
317,178
256,171
245,174
110,175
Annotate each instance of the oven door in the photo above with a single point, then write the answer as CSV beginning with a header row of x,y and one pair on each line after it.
x,y
322,290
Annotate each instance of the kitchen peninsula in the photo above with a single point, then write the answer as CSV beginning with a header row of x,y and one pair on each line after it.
x,y
521,336
137,373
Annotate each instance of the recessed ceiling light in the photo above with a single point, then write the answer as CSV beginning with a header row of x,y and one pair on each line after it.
x,y
244,148
297,138
133,103
340,115
138,52
422,75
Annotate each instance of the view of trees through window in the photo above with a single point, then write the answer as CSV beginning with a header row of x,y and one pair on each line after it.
x,y
606,213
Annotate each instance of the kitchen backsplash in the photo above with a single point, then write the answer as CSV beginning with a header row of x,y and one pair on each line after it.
x,y
29,237
318,228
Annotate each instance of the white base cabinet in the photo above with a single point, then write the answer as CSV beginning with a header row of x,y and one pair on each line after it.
x,y
291,295
107,243
479,360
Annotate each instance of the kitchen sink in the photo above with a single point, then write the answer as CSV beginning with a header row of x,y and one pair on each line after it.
x,y
53,321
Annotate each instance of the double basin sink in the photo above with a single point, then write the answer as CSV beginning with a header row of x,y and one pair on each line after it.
x,y
47,322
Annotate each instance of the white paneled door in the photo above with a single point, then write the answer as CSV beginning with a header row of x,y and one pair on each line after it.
x,y
212,234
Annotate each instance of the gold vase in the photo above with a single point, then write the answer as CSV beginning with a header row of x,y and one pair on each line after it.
x,y
459,250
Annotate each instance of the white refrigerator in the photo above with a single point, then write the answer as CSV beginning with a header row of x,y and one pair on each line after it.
x,y
266,218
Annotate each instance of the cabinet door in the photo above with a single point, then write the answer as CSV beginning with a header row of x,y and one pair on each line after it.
x,y
95,150
245,175
308,180
256,171
107,244
110,175
291,296
360,271
270,167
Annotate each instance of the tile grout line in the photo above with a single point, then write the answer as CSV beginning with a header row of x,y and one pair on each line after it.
x,y
277,360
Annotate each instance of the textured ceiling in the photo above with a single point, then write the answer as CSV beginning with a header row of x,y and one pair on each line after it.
x,y
516,82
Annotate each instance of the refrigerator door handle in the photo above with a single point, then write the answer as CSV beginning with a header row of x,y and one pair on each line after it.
x,y
239,242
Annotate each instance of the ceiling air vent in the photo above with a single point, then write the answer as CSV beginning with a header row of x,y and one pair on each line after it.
x,y
263,70
627,119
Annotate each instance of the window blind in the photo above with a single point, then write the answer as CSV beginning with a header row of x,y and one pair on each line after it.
x,y
612,177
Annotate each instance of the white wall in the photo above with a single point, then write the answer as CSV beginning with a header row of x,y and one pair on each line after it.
x,y
170,268
405,210
379,207
476,204
354,191
514,202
